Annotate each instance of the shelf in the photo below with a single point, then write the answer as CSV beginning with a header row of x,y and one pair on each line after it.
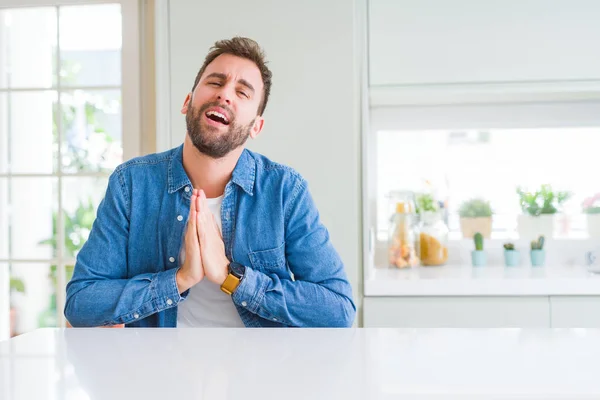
x,y
496,280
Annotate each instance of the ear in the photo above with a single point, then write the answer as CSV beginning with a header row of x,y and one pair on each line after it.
x,y
259,122
186,103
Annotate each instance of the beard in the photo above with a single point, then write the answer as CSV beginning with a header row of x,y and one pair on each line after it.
x,y
208,140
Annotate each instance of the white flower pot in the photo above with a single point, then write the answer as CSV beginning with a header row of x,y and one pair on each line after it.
x,y
470,226
529,227
593,225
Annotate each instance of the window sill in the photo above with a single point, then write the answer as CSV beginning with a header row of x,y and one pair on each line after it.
x,y
513,236
491,280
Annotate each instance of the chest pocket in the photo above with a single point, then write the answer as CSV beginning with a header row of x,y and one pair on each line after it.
x,y
272,260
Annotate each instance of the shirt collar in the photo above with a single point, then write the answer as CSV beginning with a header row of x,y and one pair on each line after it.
x,y
244,173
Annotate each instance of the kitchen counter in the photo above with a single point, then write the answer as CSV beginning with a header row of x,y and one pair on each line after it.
x,y
301,364
491,280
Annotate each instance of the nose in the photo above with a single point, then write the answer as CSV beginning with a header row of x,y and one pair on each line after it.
x,y
224,99
225,95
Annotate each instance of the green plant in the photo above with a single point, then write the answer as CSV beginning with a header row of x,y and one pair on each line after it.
x,y
509,246
425,203
538,244
77,228
543,201
17,285
475,208
75,154
478,239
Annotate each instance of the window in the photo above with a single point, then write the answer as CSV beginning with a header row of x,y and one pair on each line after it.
x,y
461,152
491,164
62,83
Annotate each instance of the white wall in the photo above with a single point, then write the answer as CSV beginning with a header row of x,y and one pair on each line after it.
x,y
312,121
416,42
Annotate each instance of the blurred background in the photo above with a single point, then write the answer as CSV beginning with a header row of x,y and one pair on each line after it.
x,y
476,116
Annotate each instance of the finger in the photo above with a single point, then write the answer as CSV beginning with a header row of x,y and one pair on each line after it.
x,y
216,226
193,212
199,213
200,227
192,222
195,234
191,234
198,203
193,203
203,202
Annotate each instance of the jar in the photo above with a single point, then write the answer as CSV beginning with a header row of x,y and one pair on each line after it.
x,y
403,232
433,238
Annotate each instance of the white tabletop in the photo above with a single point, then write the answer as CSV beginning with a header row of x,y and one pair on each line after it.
x,y
301,364
491,280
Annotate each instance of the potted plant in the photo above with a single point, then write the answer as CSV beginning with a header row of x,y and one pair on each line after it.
x,y
16,285
538,254
591,208
425,203
475,216
478,256
538,209
511,255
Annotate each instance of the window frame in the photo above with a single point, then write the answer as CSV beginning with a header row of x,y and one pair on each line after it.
x,y
132,92
516,110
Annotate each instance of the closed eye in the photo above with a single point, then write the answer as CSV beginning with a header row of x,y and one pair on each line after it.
x,y
216,84
243,93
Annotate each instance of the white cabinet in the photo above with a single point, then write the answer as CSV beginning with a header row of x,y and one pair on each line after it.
x,y
415,42
575,311
482,312
457,312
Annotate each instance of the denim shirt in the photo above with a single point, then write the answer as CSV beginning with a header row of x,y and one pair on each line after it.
x,y
125,272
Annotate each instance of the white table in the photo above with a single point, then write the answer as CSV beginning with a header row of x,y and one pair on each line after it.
x,y
301,364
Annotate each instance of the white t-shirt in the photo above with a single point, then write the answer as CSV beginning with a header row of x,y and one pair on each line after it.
x,y
206,305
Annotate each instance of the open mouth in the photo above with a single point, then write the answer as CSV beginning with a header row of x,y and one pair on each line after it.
x,y
217,117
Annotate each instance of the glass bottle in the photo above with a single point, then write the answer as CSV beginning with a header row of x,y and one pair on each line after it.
x,y
433,238
403,231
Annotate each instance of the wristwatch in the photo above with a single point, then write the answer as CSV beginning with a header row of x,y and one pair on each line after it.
x,y
236,274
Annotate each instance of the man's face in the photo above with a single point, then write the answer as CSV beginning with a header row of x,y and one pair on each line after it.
x,y
222,111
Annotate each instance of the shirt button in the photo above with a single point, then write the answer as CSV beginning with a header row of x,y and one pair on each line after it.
x,y
187,189
244,304
169,302
136,315
179,218
227,216
172,259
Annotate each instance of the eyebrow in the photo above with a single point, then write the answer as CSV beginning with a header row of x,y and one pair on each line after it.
x,y
247,84
221,76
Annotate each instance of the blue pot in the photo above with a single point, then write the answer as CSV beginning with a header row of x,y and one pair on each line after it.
x,y
511,258
538,257
479,258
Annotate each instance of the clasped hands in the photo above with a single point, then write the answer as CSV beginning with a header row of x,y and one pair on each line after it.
x,y
204,248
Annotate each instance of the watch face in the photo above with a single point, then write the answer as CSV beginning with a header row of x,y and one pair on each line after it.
x,y
237,269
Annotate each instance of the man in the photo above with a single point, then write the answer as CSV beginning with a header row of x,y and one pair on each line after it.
x,y
210,233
